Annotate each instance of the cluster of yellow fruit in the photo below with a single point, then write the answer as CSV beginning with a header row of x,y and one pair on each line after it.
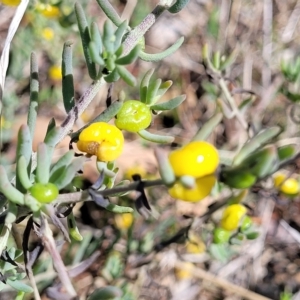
x,y
288,186
198,160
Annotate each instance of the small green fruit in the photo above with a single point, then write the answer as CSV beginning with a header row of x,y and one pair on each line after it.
x,y
221,236
246,223
237,178
133,116
44,193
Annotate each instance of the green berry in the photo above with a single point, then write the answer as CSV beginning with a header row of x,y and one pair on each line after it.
x,y
221,235
246,223
133,116
44,193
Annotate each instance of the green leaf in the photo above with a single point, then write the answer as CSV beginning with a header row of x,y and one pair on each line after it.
x,y
188,181
130,57
159,56
108,37
287,152
152,90
22,173
96,37
9,191
19,286
69,173
52,136
126,75
178,6
216,60
164,167
60,165
161,139
119,33
34,94
73,229
144,85
20,295
210,88
86,39
43,164
252,235
24,148
12,212
164,87
110,12
67,77
106,293
220,252
262,162
237,178
257,141
226,62
113,76
95,56
33,204
208,127
168,105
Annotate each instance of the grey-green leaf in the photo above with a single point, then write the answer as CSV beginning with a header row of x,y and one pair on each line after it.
x,y
67,77
178,6
19,286
130,57
159,56
126,75
208,127
253,144
106,293
156,138
168,105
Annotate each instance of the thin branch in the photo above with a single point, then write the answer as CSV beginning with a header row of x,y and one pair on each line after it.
x,y
133,38
85,196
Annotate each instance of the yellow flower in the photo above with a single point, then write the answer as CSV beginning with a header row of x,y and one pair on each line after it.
x,y
103,140
48,11
137,169
194,245
11,2
196,159
288,186
48,33
202,188
232,216
55,73
184,272
123,221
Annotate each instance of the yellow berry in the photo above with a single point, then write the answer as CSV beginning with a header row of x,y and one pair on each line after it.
x,y
185,271
138,169
123,221
48,11
11,2
196,159
103,140
48,33
194,244
232,216
55,73
202,188
288,186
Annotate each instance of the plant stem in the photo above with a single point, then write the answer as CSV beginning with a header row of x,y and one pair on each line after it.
x,y
59,266
232,103
84,195
132,39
